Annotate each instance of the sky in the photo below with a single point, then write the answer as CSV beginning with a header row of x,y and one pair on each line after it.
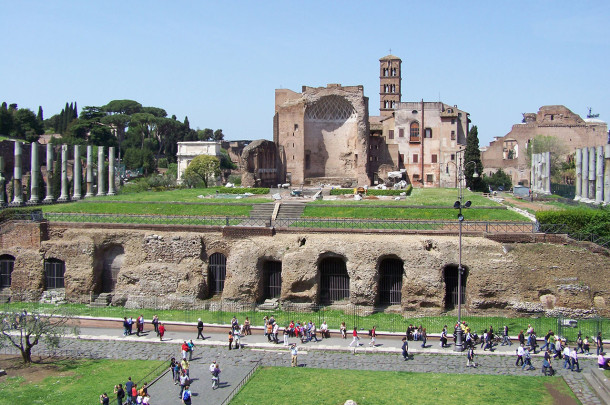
x,y
219,62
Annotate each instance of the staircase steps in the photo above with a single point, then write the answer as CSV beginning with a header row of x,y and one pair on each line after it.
x,y
102,300
600,384
262,210
292,210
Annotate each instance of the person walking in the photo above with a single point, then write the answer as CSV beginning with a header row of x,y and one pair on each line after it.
x,y
528,361
155,322
574,360
125,326
184,380
200,329
286,332
470,357
405,348
373,336
343,330
355,338
230,340
566,357
599,343
161,332
191,346
184,350
294,353
186,395
215,370
506,339
139,325
520,354
424,338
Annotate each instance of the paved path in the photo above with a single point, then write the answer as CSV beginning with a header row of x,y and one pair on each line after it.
x,y
330,353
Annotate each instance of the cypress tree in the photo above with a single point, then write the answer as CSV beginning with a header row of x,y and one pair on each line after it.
x,y
39,116
75,115
473,154
56,177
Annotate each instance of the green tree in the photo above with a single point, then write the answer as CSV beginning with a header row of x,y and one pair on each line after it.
x,y
218,135
225,160
205,135
499,179
473,154
26,125
542,144
205,168
39,116
6,120
56,176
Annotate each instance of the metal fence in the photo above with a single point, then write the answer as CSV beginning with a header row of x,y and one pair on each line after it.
x,y
581,236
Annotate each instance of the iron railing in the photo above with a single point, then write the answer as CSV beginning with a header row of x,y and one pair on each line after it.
x,y
581,236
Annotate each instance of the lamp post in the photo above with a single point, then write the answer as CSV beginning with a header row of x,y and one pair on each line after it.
x,y
459,346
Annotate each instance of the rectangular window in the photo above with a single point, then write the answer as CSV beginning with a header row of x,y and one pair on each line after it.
x,y
452,156
428,133
415,158
401,132
434,158
296,127
370,158
391,134
453,135
452,121
401,158
429,178
415,177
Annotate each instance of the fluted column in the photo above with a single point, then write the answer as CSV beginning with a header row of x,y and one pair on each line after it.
x,y
34,180
17,189
111,171
100,171
607,174
77,174
547,172
2,181
592,159
585,173
578,164
599,174
49,197
89,171
64,174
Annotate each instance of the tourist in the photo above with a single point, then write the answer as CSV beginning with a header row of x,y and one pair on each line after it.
x,y
566,357
104,400
586,345
579,343
246,327
355,338
120,394
134,393
506,339
520,354
177,369
424,338
172,365
484,340
443,338
547,340
130,325
265,323
470,357
200,329
128,388
184,381
574,360
343,330
533,342
184,366
140,325
234,323
186,395
314,332
527,360
275,332
294,353
146,400
286,334
125,326
161,332
184,349
521,338
599,343
191,346
405,348
373,335
547,369
237,338
230,340
269,332
324,330
215,370
155,322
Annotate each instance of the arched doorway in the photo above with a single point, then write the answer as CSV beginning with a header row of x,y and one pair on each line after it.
x,y
54,270
217,273
334,280
7,262
272,279
450,273
390,281
113,260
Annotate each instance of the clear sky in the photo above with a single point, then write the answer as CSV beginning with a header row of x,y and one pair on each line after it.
x,y
219,62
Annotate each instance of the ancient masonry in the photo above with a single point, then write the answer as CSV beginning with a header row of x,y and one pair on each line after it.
x,y
541,173
593,174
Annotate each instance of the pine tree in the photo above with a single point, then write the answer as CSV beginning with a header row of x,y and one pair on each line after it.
x,y
39,116
473,154
187,125
75,115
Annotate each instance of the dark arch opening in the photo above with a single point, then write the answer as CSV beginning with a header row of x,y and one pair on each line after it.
x,y
217,273
54,270
113,260
334,280
390,281
450,273
7,263
272,279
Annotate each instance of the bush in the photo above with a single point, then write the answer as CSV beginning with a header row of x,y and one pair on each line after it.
x,y
162,163
373,191
243,190
235,179
134,186
579,220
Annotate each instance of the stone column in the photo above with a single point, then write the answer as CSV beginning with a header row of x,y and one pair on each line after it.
x,y
2,182
64,174
585,173
547,172
89,171
592,172
49,197
578,163
77,174
17,189
607,174
34,168
533,173
111,171
599,173
100,171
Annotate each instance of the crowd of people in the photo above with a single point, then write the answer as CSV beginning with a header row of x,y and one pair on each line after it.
x,y
129,394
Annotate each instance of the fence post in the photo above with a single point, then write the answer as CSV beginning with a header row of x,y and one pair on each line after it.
x,y
227,221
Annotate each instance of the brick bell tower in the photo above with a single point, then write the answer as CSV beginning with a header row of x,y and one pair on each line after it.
x,y
390,90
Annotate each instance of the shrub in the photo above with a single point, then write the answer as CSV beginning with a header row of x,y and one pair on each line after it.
x,y
243,190
579,220
235,179
373,191
162,163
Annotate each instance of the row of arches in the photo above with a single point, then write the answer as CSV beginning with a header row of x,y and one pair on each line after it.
x,y
54,272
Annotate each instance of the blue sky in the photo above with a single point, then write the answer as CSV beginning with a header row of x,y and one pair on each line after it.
x,y
219,62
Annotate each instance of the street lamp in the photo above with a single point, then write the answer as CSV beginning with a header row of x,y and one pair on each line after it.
x,y
459,346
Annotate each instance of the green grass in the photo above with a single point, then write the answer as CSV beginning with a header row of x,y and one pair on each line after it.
x,y
386,322
320,386
80,381
178,195
127,208
322,211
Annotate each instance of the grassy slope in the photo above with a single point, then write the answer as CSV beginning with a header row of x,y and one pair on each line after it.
x,y
83,379
283,385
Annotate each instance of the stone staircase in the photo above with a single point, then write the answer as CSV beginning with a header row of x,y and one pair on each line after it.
x,y
600,384
290,210
102,300
269,305
262,210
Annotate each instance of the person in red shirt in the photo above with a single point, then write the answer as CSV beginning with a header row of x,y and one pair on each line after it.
x,y
185,349
355,338
161,331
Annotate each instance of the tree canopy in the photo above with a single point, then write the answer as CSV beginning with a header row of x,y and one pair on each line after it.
x,y
202,169
473,154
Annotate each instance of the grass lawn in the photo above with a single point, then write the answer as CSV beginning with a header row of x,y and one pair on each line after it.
x,y
71,381
320,386
178,195
150,209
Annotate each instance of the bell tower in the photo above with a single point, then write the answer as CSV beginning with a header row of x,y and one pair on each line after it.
x,y
390,90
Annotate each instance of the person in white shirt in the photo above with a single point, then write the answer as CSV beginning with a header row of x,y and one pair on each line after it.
x,y
212,366
566,357
520,354
276,329
324,329
574,358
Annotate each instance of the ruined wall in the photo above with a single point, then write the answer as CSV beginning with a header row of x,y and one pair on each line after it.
x,y
502,278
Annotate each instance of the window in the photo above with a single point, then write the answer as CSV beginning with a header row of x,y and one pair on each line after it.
x,y
370,158
452,121
414,129
6,269
415,158
296,127
217,273
434,158
453,135
54,270
390,281
428,133
391,134
416,177
453,156
429,178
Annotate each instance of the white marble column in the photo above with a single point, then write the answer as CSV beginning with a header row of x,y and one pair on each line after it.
x,y
578,180
585,173
77,174
89,171
547,172
592,159
607,174
111,171
17,188
100,171
64,174
599,173
49,197
34,168
2,182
